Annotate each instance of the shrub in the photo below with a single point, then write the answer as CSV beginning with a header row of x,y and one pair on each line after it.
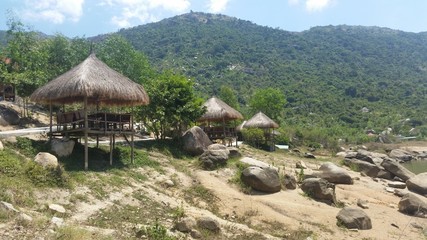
x,y
253,136
46,177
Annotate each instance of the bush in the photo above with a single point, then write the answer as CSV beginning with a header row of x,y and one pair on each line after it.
x,y
253,136
10,164
46,177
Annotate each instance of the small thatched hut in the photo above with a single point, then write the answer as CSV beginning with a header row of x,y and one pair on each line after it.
x,y
92,82
220,114
260,120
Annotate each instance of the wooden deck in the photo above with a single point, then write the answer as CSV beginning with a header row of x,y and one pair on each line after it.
x,y
102,123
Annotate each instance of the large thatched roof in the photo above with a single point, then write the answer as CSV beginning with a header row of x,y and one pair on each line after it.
x,y
217,110
95,80
260,120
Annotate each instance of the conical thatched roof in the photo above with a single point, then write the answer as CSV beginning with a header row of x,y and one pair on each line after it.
x,y
260,120
217,110
95,80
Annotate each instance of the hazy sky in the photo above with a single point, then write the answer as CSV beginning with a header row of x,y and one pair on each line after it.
x,y
92,17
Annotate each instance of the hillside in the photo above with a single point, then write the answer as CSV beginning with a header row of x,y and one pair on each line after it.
x,y
328,74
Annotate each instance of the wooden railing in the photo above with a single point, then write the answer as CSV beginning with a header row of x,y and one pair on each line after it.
x,y
98,121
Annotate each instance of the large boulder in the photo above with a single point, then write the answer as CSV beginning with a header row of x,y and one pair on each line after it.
x,y
418,184
46,160
262,179
319,189
397,169
62,147
195,141
354,218
256,163
401,155
8,116
413,205
371,157
334,174
216,155
367,168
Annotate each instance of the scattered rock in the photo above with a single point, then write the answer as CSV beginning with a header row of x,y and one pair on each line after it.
x,y
367,168
413,205
362,203
185,224
416,225
396,184
301,165
389,189
57,208
262,179
309,155
319,189
289,182
195,234
216,155
57,222
8,207
397,169
46,160
354,218
256,163
169,183
62,147
209,224
334,174
384,174
418,184
195,141
400,193
25,218
401,155
234,152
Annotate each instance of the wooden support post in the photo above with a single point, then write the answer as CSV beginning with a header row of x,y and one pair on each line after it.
x,y
131,138
50,121
111,150
97,141
114,141
86,135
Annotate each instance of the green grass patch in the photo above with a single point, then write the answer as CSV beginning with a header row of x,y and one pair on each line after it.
x,y
197,193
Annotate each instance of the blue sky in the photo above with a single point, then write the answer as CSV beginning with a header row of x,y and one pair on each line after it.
x,y
92,17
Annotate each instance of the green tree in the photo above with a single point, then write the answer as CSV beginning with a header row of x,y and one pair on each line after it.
x,y
173,105
228,95
270,101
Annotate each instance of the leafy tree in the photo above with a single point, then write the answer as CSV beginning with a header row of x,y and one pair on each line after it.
x,y
270,101
173,105
228,95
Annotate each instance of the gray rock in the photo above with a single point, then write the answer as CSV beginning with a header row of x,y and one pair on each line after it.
x,y
418,184
367,168
185,224
46,160
195,234
384,174
334,174
209,224
8,116
57,222
8,207
397,169
319,189
289,182
57,208
401,155
354,218
195,141
25,218
1,146
396,184
309,155
62,147
364,155
262,179
234,152
301,165
214,156
256,163
400,192
362,203
169,183
413,205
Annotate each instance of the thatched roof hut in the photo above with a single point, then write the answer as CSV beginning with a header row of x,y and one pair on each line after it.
x,y
218,111
260,120
94,80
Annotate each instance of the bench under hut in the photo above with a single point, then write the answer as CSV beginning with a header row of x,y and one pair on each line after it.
x,y
92,84
219,120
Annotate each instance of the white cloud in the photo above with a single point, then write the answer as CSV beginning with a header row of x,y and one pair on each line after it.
x,y
217,6
293,2
316,5
143,10
56,11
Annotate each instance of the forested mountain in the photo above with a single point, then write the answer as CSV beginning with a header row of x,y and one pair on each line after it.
x,y
328,74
